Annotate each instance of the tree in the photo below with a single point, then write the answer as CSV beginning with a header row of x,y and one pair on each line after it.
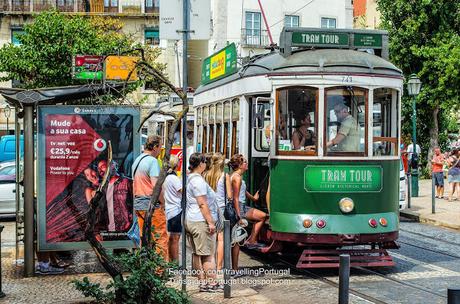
x,y
424,39
44,58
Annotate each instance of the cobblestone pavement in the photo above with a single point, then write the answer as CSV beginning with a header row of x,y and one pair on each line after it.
x,y
426,265
447,213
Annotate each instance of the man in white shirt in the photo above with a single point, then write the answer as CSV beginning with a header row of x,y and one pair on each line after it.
x,y
410,151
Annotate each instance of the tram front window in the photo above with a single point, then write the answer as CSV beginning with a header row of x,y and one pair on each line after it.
x,y
345,118
297,127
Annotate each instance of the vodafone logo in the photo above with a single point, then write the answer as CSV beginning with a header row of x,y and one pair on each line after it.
x,y
99,145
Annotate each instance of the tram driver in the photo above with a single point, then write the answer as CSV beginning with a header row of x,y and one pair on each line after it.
x,y
347,138
303,138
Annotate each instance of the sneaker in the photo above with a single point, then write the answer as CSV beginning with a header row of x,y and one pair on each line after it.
x,y
40,269
215,288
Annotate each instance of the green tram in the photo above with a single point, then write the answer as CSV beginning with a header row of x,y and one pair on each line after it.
x,y
319,120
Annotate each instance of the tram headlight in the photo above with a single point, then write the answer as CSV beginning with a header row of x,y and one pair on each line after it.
x,y
346,205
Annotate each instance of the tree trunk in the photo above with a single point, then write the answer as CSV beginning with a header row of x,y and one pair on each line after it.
x,y
434,136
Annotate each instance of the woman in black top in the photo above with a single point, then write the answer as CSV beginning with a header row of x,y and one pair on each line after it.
x,y
303,138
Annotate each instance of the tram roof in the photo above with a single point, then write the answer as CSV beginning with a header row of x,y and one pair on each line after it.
x,y
314,61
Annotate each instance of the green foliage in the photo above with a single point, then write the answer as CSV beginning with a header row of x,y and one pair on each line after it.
x,y
424,39
146,282
44,58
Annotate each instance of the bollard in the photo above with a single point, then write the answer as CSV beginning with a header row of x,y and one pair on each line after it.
x,y
227,266
409,182
433,192
453,296
2,294
344,278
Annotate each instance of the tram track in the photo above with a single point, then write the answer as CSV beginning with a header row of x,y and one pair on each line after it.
x,y
430,250
430,237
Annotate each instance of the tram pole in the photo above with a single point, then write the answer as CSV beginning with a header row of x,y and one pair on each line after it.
x,y
227,266
453,296
184,142
433,189
408,189
344,278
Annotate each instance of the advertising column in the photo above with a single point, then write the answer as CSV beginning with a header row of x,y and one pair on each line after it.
x,y
72,159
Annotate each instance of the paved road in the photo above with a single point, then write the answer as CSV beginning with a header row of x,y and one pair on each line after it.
x,y
427,263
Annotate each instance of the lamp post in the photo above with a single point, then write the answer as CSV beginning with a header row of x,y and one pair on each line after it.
x,y
7,113
413,87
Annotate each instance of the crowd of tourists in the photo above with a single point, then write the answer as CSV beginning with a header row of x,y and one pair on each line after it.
x,y
209,191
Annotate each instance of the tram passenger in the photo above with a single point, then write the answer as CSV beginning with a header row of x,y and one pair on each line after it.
x,y
303,138
347,138
215,178
172,188
239,165
201,215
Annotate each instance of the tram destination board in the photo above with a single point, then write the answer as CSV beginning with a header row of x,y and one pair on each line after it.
x,y
336,39
336,178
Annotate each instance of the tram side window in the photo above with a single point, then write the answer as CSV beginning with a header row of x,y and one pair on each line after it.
x,y
199,123
190,126
227,129
262,135
385,122
219,119
235,126
297,120
345,120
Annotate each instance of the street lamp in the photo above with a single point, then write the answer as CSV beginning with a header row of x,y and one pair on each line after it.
x,y
7,113
413,87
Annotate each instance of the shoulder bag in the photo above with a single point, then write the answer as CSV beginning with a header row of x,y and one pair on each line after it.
x,y
229,211
134,233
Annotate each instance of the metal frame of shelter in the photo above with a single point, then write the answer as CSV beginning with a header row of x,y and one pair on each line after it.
x,y
25,102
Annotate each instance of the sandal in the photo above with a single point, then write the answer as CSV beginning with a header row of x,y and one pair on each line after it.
x,y
215,287
60,264
254,245
204,288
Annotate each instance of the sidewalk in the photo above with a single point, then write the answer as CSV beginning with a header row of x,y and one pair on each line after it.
x,y
447,213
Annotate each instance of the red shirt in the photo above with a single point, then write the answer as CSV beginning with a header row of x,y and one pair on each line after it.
x,y
439,159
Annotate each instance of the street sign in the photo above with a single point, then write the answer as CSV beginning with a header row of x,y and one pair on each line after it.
x,y
120,68
343,178
87,67
172,24
219,65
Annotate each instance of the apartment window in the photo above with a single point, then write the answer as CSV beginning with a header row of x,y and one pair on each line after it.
x,y
152,37
111,6
15,33
328,23
151,6
253,28
291,21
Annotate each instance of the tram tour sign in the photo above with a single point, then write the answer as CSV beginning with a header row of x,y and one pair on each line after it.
x,y
343,178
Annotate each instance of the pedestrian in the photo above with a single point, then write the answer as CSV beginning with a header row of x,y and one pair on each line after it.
x,y
172,188
216,177
411,157
453,175
438,174
239,166
146,170
201,216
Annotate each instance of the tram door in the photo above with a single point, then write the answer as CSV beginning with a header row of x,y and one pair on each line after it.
x,y
260,146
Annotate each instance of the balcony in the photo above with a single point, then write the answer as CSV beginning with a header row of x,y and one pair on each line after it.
x,y
96,7
255,38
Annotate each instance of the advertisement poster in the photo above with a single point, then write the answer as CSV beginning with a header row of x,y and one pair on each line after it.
x,y
72,159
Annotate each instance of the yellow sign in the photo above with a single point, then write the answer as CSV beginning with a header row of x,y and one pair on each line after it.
x,y
120,67
217,65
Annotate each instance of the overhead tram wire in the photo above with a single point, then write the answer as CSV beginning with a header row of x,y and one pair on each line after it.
x,y
297,10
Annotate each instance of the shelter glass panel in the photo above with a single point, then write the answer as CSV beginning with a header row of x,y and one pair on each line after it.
x,y
345,121
297,120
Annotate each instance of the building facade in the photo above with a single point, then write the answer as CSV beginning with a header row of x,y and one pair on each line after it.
x,y
365,14
242,21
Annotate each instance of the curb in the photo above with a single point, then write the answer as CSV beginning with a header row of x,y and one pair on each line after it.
x,y
426,220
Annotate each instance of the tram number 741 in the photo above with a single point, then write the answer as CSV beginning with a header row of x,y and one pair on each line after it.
x,y
347,79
